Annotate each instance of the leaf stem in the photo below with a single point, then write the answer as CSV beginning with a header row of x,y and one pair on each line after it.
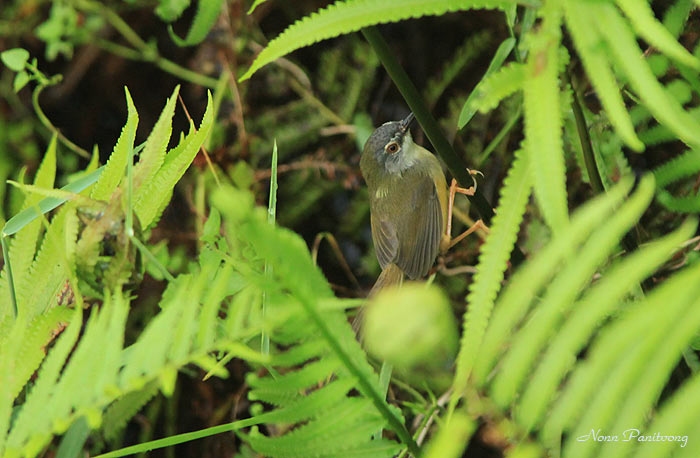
x,y
145,51
586,146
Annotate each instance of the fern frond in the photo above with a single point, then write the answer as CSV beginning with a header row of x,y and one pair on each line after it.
x,y
600,302
116,164
124,408
23,245
611,376
653,32
318,339
153,153
205,18
678,418
559,296
622,44
494,88
685,204
516,300
353,15
151,198
493,262
580,21
683,166
33,427
39,296
543,121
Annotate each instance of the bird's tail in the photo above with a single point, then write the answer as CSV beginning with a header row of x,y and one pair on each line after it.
x,y
391,275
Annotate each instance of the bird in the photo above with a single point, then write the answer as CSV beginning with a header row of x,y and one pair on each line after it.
x,y
408,200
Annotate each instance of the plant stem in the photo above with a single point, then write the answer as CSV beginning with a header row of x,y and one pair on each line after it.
x,y
49,125
586,146
144,51
430,126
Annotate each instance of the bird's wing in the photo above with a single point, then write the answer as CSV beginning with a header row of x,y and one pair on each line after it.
x,y
411,237
420,232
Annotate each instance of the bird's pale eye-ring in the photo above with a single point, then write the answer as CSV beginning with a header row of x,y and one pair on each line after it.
x,y
392,147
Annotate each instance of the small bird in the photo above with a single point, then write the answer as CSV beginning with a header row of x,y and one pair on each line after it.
x,y
408,203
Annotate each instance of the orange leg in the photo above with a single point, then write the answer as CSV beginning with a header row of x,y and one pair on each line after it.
x,y
454,189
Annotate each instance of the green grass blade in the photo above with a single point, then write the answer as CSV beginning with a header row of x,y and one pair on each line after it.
x,y
17,222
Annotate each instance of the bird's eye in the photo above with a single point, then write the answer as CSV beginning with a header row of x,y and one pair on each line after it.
x,y
392,147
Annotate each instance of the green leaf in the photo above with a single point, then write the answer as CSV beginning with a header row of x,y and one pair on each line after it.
x,y
153,153
207,13
170,10
21,80
600,302
15,59
353,15
493,262
151,198
255,4
581,22
646,341
625,50
115,168
648,27
560,294
683,166
516,299
496,90
543,122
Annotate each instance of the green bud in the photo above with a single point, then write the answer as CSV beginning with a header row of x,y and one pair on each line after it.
x,y
411,327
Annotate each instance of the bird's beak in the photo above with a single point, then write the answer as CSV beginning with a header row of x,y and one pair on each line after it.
x,y
406,122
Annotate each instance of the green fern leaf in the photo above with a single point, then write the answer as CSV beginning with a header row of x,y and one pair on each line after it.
x,y
529,342
624,48
40,296
152,197
492,265
686,204
543,123
648,27
683,166
205,18
498,83
116,165
678,418
124,408
581,23
516,300
23,245
33,427
353,15
600,302
597,392
153,153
